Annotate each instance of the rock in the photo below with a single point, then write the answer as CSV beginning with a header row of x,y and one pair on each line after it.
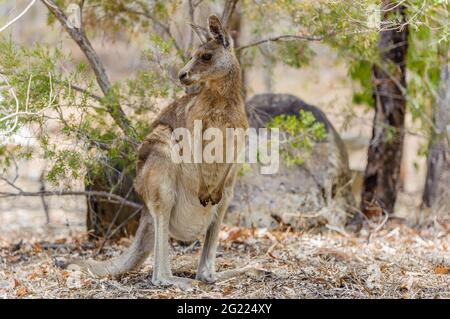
x,y
292,195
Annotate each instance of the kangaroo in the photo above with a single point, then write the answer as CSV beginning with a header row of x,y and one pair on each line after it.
x,y
186,200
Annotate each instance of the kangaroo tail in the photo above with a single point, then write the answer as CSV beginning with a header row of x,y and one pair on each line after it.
x,y
131,259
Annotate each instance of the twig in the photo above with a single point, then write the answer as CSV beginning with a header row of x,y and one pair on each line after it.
x,y
107,195
378,227
337,229
108,231
44,202
286,37
11,184
13,94
165,28
17,113
108,236
18,17
84,91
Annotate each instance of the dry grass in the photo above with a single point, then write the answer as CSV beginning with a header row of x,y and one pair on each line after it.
x,y
397,262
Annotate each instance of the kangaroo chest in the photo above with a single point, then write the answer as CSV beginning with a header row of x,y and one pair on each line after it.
x,y
209,122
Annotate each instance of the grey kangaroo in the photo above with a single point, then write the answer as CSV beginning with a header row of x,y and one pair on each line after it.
x,y
186,200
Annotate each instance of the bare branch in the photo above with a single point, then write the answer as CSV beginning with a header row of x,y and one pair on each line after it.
x,y
78,35
287,37
13,94
11,184
18,17
108,196
146,13
84,91
165,28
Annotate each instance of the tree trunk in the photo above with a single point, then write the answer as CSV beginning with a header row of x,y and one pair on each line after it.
x,y
109,219
437,180
385,151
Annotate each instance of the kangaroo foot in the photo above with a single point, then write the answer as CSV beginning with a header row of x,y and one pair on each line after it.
x,y
185,284
210,278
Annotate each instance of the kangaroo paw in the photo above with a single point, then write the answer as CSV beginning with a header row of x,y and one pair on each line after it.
x,y
204,200
216,197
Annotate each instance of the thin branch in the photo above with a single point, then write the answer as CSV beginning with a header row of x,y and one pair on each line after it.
x,y
84,91
82,41
27,101
13,94
114,220
164,27
287,37
11,184
18,17
44,202
110,234
110,197
17,114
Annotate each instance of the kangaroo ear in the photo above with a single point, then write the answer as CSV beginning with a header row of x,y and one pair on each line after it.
x,y
202,33
217,32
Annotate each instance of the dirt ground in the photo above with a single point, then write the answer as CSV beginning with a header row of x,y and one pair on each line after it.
x,y
392,261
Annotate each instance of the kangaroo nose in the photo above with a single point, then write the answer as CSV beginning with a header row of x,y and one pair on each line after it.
x,y
183,75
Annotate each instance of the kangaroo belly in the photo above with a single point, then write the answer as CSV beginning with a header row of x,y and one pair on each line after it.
x,y
189,219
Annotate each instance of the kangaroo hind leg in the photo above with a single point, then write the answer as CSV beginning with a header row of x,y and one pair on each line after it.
x,y
207,267
160,196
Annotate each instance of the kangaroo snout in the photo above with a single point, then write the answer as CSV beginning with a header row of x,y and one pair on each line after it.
x,y
185,78
182,75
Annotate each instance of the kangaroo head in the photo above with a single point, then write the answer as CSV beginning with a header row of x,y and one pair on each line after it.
x,y
213,59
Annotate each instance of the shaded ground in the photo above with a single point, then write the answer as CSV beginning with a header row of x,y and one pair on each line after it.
x,y
395,262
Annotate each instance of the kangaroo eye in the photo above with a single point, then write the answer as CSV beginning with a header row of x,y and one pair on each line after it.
x,y
206,56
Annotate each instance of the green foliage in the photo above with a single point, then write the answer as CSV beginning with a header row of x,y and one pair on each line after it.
x,y
83,135
65,162
428,48
43,88
361,71
299,135
295,54
342,24
350,27
268,20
